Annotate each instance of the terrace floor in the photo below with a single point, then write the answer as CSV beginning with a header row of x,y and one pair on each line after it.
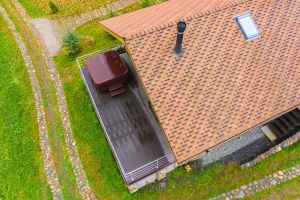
x,y
133,134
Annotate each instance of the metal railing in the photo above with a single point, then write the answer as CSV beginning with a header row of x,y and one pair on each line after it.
x,y
144,170
149,168
81,60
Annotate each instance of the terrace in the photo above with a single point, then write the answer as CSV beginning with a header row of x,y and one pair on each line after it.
x,y
130,126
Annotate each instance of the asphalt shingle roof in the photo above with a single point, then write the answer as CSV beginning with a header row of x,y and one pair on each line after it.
x,y
222,85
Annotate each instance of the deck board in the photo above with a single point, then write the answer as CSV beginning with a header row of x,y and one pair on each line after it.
x,y
132,137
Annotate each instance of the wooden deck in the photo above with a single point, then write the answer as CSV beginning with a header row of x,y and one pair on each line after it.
x,y
129,129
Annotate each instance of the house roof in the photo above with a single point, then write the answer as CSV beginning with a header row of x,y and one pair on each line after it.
x,y
222,85
160,15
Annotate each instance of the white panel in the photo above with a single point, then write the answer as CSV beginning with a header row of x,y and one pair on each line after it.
x,y
248,27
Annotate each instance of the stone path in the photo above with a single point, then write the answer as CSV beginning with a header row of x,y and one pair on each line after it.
x,y
48,160
81,179
262,184
52,31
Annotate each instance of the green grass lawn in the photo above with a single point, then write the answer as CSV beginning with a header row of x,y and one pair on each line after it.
x,y
21,167
98,161
54,125
63,166
40,8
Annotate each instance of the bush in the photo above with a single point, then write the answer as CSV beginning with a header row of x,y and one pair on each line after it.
x,y
71,42
53,7
145,3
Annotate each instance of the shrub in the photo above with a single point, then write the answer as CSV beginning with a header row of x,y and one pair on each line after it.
x,y
145,3
71,41
53,7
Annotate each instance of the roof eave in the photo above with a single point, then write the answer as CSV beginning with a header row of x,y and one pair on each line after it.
x,y
118,37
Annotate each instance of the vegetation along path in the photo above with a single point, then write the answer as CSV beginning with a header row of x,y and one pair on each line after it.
x,y
57,114
52,30
261,184
43,134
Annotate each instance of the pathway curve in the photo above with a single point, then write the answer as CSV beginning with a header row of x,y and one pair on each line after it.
x,y
48,160
52,30
81,179
262,184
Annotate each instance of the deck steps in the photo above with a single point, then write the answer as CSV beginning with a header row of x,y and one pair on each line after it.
x,y
293,119
283,127
287,122
117,92
117,89
276,130
296,113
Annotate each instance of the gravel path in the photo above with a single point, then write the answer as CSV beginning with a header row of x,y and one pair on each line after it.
x,y
52,30
81,179
262,184
43,134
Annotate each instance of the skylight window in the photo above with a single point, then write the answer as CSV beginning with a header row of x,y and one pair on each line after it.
x,y
248,26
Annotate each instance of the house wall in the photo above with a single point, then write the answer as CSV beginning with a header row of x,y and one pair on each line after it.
x,y
239,149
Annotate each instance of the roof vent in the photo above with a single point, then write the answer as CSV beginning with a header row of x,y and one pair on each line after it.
x,y
181,28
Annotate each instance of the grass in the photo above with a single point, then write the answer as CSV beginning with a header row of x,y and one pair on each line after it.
x,y
54,126
98,161
41,8
62,163
21,166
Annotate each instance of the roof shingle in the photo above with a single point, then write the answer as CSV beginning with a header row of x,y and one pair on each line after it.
x,y
222,85
160,15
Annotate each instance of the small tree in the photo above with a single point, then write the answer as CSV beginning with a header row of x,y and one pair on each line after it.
x,y
53,7
71,42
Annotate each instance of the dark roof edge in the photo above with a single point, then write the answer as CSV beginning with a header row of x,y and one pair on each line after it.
x,y
186,19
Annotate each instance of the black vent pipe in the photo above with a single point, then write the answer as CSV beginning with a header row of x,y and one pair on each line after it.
x,y
181,28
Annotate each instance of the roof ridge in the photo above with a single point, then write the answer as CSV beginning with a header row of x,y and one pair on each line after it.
x,y
188,18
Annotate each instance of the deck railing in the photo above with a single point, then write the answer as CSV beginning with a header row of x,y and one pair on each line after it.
x,y
149,168
145,169
81,60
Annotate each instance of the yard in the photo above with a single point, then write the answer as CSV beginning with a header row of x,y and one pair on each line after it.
x,y
40,8
102,170
21,171
21,168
